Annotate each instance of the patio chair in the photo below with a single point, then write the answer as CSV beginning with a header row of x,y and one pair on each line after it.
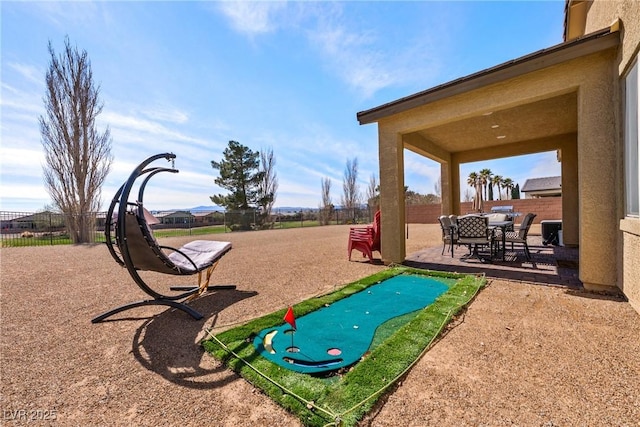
x,y
454,220
519,236
473,230
365,239
133,246
449,232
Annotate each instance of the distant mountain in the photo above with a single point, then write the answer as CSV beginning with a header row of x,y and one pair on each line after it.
x,y
216,208
282,209
213,208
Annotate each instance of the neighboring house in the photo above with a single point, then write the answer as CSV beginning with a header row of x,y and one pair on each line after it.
x,y
208,218
101,220
40,221
579,98
542,187
174,217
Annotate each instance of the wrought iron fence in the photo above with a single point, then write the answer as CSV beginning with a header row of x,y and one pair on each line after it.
x,y
50,228
44,228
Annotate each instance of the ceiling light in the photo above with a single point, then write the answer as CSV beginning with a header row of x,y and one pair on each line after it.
x,y
487,113
501,136
495,126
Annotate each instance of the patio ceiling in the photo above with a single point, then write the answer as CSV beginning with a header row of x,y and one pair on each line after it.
x,y
532,121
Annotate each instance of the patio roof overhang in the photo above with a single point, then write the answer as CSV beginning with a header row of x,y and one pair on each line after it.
x,y
589,44
556,99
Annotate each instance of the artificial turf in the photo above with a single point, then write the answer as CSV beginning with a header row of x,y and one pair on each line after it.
x,y
345,396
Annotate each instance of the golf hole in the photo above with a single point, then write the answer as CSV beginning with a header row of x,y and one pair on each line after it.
x,y
334,352
293,350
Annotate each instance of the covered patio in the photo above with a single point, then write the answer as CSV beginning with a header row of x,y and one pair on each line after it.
x,y
558,99
549,265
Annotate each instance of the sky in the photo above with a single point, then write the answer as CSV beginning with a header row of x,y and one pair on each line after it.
x,y
188,77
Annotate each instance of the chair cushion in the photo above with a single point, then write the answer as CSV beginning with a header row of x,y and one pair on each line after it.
x,y
497,217
202,252
514,236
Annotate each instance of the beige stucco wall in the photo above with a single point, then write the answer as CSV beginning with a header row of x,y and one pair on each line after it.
x,y
600,15
631,261
604,13
599,196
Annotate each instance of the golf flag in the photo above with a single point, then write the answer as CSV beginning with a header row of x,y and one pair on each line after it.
x,y
290,318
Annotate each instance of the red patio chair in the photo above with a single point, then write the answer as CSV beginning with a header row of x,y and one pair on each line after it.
x,y
365,239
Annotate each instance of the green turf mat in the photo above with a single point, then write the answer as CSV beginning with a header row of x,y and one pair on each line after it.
x,y
339,334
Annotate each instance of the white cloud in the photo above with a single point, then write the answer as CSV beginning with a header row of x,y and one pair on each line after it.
x,y
250,17
368,60
421,174
545,165
66,14
356,53
20,100
25,191
170,115
421,168
30,73
353,56
21,161
131,128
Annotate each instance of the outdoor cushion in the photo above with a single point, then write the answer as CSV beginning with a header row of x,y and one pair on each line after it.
x,y
202,252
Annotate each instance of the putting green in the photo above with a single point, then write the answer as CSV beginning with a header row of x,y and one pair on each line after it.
x,y
339,334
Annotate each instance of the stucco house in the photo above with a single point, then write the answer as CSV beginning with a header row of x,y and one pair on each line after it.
x,y
175,217
579,97
550,186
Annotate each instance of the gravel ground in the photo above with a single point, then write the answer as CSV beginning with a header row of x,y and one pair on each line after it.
x,y
522,354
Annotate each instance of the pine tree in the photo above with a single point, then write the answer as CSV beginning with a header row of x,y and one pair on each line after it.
x,y
240,175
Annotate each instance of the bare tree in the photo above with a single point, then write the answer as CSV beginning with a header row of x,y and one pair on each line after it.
x,y
78,157
373,198
351,191
268,187
326,209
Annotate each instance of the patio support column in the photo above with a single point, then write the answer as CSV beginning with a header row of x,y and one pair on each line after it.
x,y
570,199
597,187
446,194
392,205
455,184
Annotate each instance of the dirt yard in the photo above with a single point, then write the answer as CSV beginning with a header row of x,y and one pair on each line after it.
x,y
522,354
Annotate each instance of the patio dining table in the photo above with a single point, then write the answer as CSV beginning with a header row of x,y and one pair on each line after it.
x,y
502,225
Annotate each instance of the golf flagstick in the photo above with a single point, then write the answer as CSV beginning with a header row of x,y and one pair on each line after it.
x,y
291,320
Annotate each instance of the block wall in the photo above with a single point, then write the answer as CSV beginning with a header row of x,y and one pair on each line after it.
x,y
545,208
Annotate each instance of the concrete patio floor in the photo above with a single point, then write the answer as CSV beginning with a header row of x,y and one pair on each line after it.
x,y
549,265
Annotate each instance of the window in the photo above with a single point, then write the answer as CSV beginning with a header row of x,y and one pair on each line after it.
x,y
631,152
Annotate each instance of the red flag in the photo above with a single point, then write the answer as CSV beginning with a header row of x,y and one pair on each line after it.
x,y
290,318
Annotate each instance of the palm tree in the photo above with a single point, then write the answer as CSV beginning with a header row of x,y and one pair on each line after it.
x,y
472,179
508,184
485,177
497,181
